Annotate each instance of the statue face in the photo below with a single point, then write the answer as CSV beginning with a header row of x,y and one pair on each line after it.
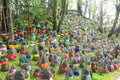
x,y
10,77
22,76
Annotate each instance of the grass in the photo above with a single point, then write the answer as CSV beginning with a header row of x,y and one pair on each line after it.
x,y
109,76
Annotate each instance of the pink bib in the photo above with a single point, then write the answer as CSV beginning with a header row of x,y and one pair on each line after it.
x,y
47,52
73,47
4,34
16,35
86,49
13,71
77,58
3,49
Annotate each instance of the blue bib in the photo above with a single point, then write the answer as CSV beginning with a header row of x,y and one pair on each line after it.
x,y
54,46
83,40
28,56
20,40
76,73
44,39
68,48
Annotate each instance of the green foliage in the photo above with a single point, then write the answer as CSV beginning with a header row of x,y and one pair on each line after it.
x,y
59,3
39,10
93,7
100,71
51,24
31,8
80,2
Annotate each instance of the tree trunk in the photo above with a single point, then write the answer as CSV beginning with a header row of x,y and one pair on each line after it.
x,y
7,18
66,9
0,14
11,25
16,7
49,5
115,21
5,13
54,9
86,8
101,17
62,14
79,9
90,9
117,31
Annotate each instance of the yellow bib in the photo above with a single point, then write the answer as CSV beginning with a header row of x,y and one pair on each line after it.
x,y
36,55
11,46
15,46
6,37
85,37
51,49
